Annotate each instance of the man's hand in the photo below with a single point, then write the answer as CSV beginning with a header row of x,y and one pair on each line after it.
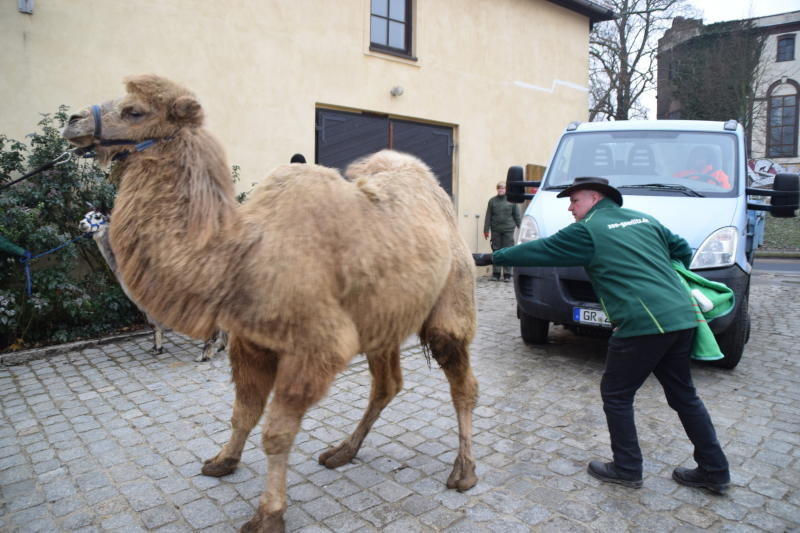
x,y
482,259
485,234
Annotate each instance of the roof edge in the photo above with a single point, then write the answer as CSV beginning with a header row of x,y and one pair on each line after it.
x,y
594,10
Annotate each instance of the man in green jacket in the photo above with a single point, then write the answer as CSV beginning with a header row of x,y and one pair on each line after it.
x,y
627,256
502,217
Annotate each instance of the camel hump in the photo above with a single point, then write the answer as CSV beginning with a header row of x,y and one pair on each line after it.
x,y
391,175
385,161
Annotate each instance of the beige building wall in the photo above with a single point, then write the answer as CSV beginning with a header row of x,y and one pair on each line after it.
x,y
782,77
507,75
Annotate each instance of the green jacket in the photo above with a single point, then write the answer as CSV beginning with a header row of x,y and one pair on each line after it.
x,y
627,256
501,215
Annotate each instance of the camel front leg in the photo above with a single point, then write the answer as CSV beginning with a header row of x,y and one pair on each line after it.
x,y
295,391
387,380
253,377
279,433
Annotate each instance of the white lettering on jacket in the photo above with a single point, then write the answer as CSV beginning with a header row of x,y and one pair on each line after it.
x,y
629,223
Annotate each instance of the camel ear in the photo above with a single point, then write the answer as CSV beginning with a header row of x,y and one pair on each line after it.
x,y
187,110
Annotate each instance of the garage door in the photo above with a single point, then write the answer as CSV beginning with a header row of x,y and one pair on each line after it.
x,y
343,137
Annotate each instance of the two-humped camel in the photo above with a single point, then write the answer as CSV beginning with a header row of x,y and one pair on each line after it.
x,y
301,291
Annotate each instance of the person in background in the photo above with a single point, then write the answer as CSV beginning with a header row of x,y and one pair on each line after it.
x,y
700,167
297,158
502,218
628,257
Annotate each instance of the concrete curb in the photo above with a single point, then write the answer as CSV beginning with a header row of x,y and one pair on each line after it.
x,y
24,356
786,254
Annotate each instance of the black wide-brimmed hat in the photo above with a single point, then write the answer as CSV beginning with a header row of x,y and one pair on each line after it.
x,y
595,184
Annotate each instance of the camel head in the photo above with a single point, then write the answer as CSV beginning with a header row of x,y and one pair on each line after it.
x,y
94,223
154,108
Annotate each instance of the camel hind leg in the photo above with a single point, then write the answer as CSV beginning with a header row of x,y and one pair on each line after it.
x,y
387,380
447,333
253,371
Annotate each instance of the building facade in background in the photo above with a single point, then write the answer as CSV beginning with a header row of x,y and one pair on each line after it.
x,y
774,122
470,87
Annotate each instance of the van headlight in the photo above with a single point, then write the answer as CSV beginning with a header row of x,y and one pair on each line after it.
x,y
528,230
718,250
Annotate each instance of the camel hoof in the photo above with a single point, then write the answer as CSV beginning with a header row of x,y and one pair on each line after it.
x,y
265,523
215,468
336,457
462,478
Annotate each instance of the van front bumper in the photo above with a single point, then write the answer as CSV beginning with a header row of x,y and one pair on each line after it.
x,y
551,293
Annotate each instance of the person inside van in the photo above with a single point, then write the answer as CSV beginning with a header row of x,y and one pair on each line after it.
x,y
700,166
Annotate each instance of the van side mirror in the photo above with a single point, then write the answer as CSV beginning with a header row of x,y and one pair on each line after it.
x,y
785,205
515,185
784,196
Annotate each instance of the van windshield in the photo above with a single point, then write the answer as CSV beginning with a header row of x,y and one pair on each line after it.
x,y
649,162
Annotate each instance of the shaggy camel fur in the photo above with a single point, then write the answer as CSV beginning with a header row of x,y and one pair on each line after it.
x,y
95,224
379,260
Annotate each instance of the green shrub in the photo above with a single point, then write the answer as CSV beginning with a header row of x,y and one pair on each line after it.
x,y
74,294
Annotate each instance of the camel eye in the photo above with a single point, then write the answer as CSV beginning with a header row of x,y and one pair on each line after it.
x,y
132,113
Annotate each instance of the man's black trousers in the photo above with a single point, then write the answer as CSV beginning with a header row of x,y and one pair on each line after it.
x,y
629,362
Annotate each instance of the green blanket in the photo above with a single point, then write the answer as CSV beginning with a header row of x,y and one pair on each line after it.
x,y
711,292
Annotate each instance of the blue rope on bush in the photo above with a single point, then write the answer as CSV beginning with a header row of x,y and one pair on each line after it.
x,y
28,257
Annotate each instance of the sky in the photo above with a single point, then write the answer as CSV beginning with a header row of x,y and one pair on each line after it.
x,y
722,10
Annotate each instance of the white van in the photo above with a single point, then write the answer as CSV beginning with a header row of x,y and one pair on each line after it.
x,y
655,166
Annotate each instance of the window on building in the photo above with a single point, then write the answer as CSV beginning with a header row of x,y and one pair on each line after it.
x,y
390,26
782,126
785,48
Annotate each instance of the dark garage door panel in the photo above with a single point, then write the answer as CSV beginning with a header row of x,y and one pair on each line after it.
x,y
344,137
432,144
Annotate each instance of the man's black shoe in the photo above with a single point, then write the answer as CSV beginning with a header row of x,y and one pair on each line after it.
x,y
495,278
611,474
694,477
482,259
507,277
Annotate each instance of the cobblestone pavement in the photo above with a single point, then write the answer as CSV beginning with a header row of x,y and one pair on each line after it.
x,y
111,438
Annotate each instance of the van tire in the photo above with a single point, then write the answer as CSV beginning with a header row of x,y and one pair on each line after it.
x,y
732,340
533,330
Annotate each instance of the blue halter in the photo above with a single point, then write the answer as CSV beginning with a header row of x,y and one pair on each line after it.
x,y
137,146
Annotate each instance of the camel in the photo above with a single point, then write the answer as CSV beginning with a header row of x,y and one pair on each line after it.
x,y
95,224
300,292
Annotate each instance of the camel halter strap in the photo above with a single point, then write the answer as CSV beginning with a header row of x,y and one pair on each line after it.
x,y
93,226
138,146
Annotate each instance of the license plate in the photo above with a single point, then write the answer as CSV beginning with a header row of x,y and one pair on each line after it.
x,y
593,317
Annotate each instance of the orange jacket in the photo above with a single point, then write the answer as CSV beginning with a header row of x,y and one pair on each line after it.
x,y
707,174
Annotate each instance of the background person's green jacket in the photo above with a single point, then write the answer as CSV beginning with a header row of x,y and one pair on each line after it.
x,y
627,256
501,215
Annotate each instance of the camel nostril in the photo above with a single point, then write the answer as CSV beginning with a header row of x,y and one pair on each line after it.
x,y
74,119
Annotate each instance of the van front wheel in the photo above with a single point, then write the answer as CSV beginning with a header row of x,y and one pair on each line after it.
x,y
533,330
732,340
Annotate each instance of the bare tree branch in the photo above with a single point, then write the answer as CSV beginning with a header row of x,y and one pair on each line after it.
x,y
622,55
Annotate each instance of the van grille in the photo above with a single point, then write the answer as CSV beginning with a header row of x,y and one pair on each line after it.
x,y
578,290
